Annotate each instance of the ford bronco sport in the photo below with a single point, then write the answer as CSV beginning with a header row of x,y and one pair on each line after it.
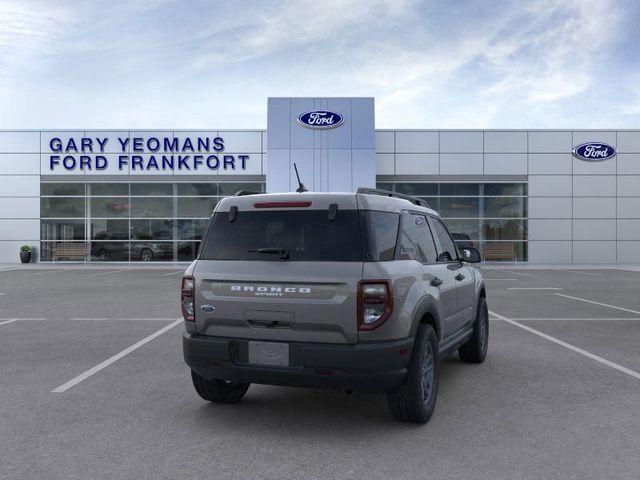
x,y
361,292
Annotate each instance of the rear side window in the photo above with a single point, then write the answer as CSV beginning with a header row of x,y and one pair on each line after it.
x,y
381,232
447,250
307,235
424,240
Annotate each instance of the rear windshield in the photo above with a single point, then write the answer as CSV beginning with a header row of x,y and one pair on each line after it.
x,y
302,235
305,235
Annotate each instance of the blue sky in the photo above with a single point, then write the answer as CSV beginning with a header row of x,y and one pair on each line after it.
x,y
429,64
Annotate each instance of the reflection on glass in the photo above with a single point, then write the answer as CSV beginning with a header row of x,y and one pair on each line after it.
x,y
105,251
504,230
109,207
192,229
62,207
151,207
228,188
151,229
459,207
505,207
188,251
62,229
151,189
520,249
459,189
196,206
102,229
514,189
385,186
151,251
62,189
198,189
471,228
108,189
417,189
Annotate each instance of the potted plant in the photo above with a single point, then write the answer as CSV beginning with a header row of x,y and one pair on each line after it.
x,y
25,253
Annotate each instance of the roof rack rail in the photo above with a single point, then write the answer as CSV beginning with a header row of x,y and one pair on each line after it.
x,y
387,193
242,193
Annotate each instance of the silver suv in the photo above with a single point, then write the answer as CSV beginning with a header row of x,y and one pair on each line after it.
x,y
361,292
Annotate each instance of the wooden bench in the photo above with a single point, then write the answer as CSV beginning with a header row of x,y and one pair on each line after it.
x,y
499,251
70,250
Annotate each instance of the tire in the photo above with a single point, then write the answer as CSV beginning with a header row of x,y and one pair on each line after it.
x,y
475,349
219,391
146,255
414,400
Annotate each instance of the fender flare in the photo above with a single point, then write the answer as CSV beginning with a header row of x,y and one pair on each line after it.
x,y
427,305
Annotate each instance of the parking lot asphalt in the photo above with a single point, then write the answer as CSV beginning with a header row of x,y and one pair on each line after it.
x,y
558,396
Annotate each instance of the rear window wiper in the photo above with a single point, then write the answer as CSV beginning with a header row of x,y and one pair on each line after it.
x,y
283,252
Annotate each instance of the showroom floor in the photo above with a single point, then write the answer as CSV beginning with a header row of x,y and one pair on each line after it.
x,y
93,385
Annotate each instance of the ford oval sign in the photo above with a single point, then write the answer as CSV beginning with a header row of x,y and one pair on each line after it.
x,y
321,119
594,151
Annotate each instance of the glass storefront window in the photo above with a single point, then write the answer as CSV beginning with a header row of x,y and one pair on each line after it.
x,y
192,229
139,221
196,207
103,229
65,230
459,189
459,207
198,189
62,207
505,189
62,189
108,189
504,229
417,189
228,189
151,229
484,212
109,207
151,207
500,207
152,189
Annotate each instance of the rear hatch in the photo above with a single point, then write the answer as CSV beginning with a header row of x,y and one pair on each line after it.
x,y
281,267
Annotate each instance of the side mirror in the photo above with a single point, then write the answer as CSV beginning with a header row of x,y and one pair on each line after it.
x,y
470,255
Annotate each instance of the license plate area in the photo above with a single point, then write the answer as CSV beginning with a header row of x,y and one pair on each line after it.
x,y
275,354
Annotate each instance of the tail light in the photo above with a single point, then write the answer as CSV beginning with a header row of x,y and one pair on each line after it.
x,y
375,303
187,298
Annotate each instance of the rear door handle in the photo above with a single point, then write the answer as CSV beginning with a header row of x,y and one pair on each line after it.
x,y
459,277
436,282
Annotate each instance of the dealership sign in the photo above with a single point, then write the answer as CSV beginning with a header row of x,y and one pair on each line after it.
x,y
142,154
320,119
594,151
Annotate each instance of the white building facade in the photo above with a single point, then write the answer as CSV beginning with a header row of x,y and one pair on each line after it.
x,y
144,195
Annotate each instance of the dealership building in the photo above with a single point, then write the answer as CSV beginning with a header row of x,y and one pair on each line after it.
x,y
537,196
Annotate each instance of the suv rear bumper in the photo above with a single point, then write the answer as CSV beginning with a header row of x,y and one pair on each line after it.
x,y
364,367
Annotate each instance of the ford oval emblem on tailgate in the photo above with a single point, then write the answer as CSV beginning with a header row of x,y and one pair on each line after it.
x,y
320,119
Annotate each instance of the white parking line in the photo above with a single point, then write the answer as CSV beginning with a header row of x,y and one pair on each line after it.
x,y
83,376
173,273
598,303
21,319
579,272
11,320
573,348
90,319
40,273
577,319
519,273
106,273
9,269
534,288
503,279
1,294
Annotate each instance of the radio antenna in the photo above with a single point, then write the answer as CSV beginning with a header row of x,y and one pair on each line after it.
x,y
301,188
